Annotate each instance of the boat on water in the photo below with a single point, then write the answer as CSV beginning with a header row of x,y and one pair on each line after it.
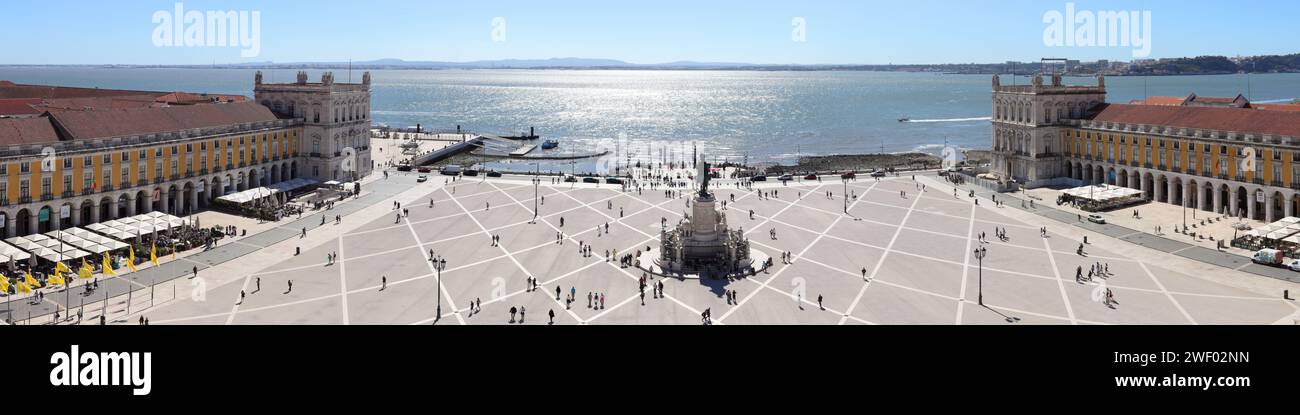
x,y
550,144
904,119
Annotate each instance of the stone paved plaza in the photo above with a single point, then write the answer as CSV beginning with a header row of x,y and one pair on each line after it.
x,y
915,250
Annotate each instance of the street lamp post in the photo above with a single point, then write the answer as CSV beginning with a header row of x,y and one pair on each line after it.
x,y
979,255
846,193
537,182
439,265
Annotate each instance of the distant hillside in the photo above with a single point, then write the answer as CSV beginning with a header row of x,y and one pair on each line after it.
x,y
1203,65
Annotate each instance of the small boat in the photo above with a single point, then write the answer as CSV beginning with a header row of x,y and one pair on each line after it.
x,y
904,119
550,144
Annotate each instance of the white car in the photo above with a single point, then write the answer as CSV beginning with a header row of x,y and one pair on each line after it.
x,y
1294,265
1095,218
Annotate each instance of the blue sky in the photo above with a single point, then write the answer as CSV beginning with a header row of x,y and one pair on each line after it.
x,y
655,31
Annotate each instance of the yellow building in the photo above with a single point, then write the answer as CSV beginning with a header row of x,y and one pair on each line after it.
x,y
1221,155
124,154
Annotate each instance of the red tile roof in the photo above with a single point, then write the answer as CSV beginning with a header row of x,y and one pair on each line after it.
x,y
11,90
22,131
1171,101
1276,107
19,106
1243,120
116,123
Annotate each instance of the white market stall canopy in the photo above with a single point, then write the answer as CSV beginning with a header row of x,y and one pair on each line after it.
x,y
12,253
1103,193
47,248
262,192
92,242
1285,229
138,225
110,243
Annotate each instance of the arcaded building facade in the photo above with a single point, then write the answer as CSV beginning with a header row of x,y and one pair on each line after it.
x,y
77,156
1222,155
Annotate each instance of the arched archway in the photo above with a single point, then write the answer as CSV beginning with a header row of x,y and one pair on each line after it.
x,y
85,212
173,196
23,222
45,218
188,197
142,202
1275,209
1240,201
68,222
123,205
106,208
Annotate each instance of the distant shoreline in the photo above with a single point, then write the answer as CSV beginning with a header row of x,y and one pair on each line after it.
x,y
937,70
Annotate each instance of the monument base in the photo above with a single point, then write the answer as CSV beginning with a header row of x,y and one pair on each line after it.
x,y
651,263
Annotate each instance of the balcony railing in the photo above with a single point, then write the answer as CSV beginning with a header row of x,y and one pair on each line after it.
x,y
24,199
47,197
4,201
68,193
108,188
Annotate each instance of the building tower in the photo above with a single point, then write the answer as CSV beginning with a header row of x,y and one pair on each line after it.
x,y
335,143
1027,141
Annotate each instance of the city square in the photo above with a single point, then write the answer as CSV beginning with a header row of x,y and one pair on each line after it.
x,y
913,246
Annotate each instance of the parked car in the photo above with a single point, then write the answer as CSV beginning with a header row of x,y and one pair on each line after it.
x,y
810,177
1294,265
1095,218
570,179
422,179
424,170
1270,257
878,173
758,179
849,175
403,168
470,172
590,180
785,178
613,180
494,174
451,170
